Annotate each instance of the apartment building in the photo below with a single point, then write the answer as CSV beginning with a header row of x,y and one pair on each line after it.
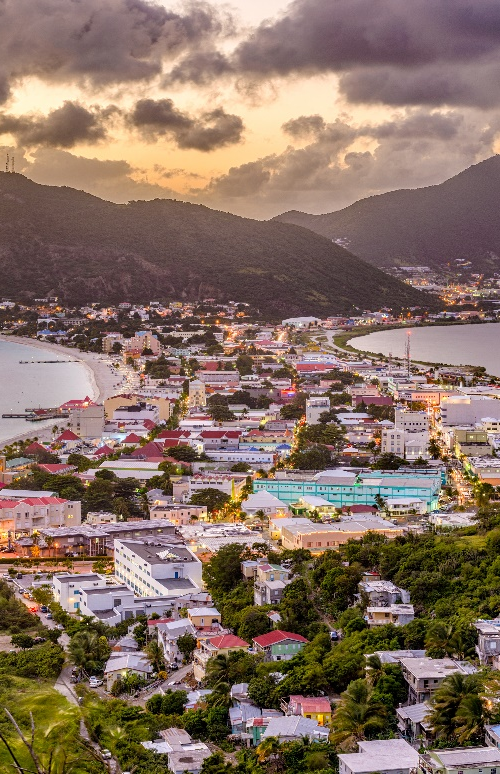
x,y
165,567
468,409
169,633
87,421
315,407
22,517
229,483
270,582
382,593
141,341
178,514
67,588
197,394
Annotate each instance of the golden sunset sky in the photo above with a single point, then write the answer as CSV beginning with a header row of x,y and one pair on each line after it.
x,y
251,106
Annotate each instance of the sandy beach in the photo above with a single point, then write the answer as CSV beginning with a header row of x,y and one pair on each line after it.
x,y
103,380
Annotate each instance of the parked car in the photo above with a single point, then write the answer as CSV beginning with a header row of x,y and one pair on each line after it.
x,y
49,615
44,609
39,640
94,682
19,576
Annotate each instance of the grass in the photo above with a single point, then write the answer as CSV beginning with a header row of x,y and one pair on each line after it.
x,y
57,724
476,541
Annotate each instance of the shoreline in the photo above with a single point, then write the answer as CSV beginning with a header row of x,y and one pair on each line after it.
x,y
102,379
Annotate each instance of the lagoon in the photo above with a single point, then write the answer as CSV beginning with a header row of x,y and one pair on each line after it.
x,y
476,344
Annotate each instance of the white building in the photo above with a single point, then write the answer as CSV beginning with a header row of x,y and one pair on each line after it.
x,y
157,567
67,588
169,633
468,409
178,514
87,421
381,756
197,394
265,502
315,407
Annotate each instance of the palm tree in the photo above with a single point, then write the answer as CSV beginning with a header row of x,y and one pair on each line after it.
x,y
374,669
447,701
439,640
357,716
269,749
470,719
220,696
217,670
89,651
156,656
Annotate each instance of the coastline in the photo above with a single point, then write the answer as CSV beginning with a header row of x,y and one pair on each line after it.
x,y
102,380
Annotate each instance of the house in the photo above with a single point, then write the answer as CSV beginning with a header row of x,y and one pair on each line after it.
x,y
425,675
178,514
183,754
205,618
381,756
208,647
315,708
488,644
121,664
469,760
399,615
270,581
382,593
279,645
169,633
265,502
292,727
412,722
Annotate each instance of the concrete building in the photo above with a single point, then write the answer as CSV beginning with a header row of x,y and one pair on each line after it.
x,y
22,517
314,408
468,409
87,421
381,756
488,643
395,614
229,483
468,760
152,567
346,487
319,537
197,394
67,588
265,502
183,754
178,514
141,341
270,582
382,593
425,675
169,633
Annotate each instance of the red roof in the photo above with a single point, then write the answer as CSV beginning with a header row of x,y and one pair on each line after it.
x,y
149,424
169,443
9,503
266,640
174,434
42,500
58,468
33,448
220,433
77,403
151,449
68,435
132,438
228,641
102,450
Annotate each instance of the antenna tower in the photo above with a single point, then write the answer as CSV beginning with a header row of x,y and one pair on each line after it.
x,y
7,163
408,354
12,167
390,363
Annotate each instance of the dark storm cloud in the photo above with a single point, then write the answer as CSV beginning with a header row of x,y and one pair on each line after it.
x,y
64,127
100,42
430,52
207,132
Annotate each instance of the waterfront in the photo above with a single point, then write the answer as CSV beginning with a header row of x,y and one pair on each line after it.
x,y
477,345
30,385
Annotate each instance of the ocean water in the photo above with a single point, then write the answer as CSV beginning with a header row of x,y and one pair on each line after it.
x,y
477,345
36,385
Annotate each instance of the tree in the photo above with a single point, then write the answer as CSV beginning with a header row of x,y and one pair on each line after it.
x,y
155,654
89,651
212,498
388,462
23,641
447,709
253,622
434,449
240,467
183,453
315,457
186,644
357,717
223,571
244,364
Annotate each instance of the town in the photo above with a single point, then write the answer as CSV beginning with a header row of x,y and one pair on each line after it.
x,y
248,493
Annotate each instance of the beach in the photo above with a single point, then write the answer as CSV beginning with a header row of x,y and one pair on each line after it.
x,y
104,382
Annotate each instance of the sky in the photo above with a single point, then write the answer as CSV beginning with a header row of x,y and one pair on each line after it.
x,y
251,106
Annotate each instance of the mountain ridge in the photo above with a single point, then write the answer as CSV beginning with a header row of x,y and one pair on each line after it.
x,y
433,225
65,242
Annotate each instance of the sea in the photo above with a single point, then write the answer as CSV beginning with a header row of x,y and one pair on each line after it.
x,y
34,385
477,344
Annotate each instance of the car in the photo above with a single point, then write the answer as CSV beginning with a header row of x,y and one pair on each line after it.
x,y
19,576
60,627
94,682
39,640
44,609
49,615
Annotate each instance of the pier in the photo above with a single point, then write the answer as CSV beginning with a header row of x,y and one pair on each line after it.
x,y
33,362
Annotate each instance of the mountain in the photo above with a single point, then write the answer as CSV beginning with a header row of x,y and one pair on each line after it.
x,y
60,241
433,226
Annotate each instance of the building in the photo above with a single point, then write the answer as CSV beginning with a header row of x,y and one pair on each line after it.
x,y
205,619
197,394
425,675
67,588
468,760
382,593
183,754
398,615
254,457
315,708
141,341
209,647
381,756
270,582
315,407
87,421
488,643
178,514
413,723
293,727
457,410
165,568
120,665
265,502
229,483
23,517
317,537
347,487
301,323
169,633
279,645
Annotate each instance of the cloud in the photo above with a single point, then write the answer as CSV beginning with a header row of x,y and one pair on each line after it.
x,y
211,130
100,42
421,52
64,127
342,161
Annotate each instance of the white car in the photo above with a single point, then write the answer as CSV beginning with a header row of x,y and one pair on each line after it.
x,y
94,682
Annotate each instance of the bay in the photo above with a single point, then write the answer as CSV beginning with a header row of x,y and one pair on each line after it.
x,y
34,385
477,345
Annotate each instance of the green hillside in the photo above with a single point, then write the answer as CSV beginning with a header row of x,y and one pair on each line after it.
x,y
68,243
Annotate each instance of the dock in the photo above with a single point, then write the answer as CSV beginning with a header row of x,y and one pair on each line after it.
x,y
28,362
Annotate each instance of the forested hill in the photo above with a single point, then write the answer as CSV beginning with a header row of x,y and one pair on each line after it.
x,y
457,219
60,241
